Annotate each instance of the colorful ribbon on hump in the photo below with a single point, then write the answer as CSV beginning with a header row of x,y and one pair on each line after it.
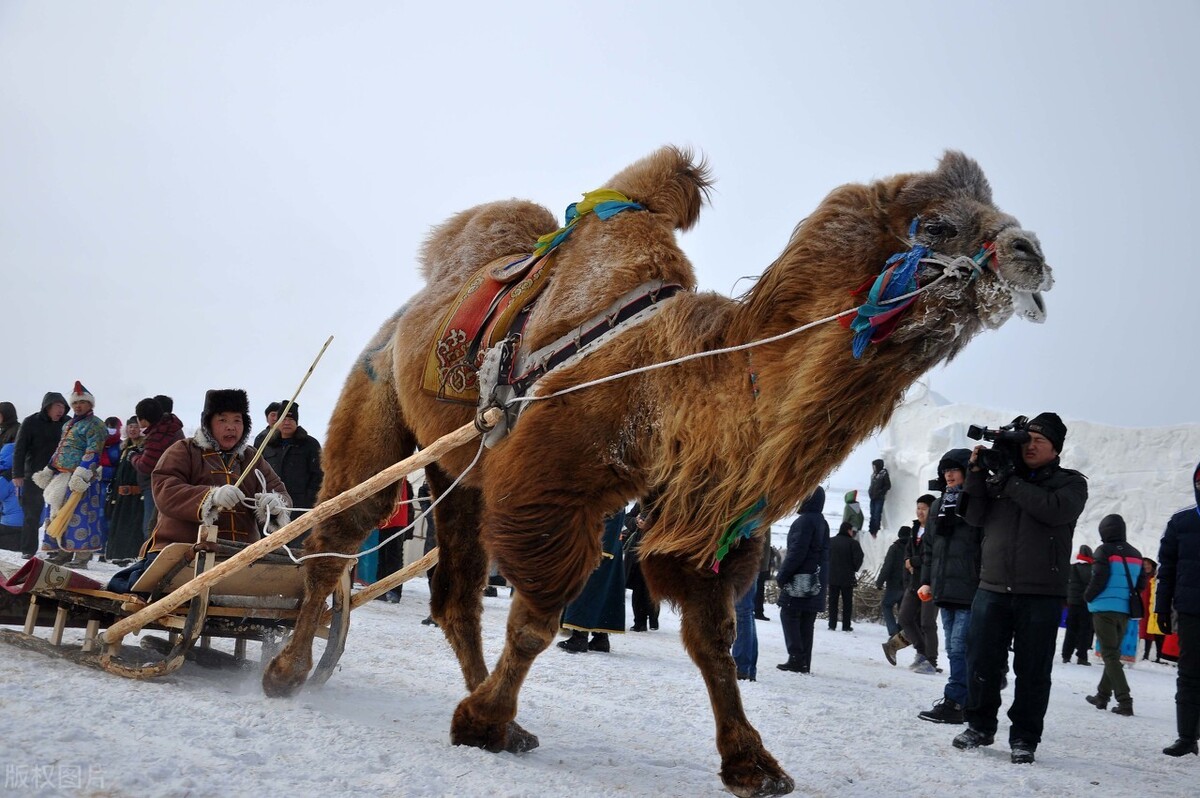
x,y
604,202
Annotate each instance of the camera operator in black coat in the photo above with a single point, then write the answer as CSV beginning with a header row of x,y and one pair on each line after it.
x,y
1028,516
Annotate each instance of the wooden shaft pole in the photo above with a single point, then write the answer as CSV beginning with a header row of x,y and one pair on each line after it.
x,y
391,580
324,510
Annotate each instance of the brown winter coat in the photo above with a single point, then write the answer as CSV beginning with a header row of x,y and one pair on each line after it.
x,y
186,472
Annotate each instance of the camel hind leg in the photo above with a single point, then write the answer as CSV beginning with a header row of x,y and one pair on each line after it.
x,y
708,629
456,587
366,434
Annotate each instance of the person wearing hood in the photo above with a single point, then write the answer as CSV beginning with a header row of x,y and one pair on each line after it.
x,y
12,517
9,423
1115,588
852,513
296,457
74,468
949,579
1179,593
800,599
161,429
1028,512
1078,639
195,484
36,441
845,558
877,492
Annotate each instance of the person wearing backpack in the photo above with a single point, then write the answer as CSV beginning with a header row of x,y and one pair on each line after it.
x,y
1113,597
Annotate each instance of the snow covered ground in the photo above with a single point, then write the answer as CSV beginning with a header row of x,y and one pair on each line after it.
x,y
635,722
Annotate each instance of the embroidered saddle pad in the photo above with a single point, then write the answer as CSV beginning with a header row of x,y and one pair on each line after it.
x,y
481,315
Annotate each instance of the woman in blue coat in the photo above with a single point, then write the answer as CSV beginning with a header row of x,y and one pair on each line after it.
x,y
807,554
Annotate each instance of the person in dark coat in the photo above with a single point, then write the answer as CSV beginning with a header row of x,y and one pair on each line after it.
x,y
160,429
949,579
918,619
296,457
765,566
1117,577
891,580
1179,591
1078,639
600,608
845,558
124,501
807,553
36,442
877,492
271,413
1028,511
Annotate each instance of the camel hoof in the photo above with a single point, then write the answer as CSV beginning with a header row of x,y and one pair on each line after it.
x,y
467,729
756,776
281,681
518,740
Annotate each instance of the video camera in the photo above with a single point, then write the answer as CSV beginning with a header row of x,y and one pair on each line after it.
x,y
1000,460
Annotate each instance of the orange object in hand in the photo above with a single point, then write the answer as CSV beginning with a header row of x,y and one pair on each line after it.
x,y
925,593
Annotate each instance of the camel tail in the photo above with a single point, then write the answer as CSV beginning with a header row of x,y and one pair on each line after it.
x,y
671,182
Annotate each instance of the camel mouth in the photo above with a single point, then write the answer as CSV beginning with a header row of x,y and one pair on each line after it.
x,y
1030,306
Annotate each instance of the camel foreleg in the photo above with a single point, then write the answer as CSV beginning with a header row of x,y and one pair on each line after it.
x,y
486,718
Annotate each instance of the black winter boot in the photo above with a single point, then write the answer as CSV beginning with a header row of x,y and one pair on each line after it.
x,y
1098,701
1124,708
576,643
793,665
1182,747
971,738
599,642
944,711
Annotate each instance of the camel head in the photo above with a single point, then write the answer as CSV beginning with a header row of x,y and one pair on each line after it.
x,y
991,267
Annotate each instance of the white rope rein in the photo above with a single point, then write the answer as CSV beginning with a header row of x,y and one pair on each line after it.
x,y
960,266
951,267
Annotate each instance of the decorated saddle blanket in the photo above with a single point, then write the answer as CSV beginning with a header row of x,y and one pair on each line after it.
x,y
482,314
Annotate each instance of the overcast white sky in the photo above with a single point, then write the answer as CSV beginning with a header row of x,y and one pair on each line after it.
x,y
195,195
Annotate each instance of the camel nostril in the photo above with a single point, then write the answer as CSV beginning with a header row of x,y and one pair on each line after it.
x,y
1025,248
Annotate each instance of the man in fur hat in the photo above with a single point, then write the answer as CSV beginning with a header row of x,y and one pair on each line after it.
x,y
194,484
73,468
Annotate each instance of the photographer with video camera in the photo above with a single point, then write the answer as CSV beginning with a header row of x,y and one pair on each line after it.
x,y
1027,505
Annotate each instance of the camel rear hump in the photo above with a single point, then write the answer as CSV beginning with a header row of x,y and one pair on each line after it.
x,y
458,247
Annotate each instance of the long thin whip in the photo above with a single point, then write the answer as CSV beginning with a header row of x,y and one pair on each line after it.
x,y
282,415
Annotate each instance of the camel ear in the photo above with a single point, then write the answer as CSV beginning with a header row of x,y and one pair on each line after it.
x,y
668,182
962,175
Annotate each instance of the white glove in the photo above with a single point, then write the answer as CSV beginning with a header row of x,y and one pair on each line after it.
x,y
80,479
268,506
226,497
43,477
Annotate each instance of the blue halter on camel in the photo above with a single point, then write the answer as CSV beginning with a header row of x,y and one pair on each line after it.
x,y
878,315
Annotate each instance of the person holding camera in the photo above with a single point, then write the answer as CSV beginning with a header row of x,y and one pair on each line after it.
x,y
1114,590
803,579
949,578
1027,505
1179,590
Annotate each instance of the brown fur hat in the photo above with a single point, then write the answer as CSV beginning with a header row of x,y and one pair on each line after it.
x,y
225,400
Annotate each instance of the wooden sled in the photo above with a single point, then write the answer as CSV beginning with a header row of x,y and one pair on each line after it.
x,y
220,596
257,603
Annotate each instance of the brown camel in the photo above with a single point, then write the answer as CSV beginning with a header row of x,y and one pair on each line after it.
x,y
711,438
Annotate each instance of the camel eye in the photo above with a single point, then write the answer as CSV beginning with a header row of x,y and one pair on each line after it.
x,y
940,229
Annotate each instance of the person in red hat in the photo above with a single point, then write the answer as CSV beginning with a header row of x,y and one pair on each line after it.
x,y
74,469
